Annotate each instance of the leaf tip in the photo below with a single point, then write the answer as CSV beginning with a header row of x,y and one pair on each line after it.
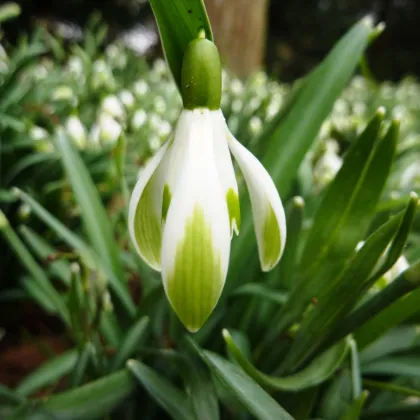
x,y
298,202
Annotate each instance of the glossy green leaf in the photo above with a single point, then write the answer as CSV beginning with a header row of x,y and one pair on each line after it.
x,y
337,300
393,315
90,401
295,134
260,404
391,300
387,386
398,411
353,412
131,342
315,373
81,366
198,383
356,376
394,365
179,23
49,373
169,397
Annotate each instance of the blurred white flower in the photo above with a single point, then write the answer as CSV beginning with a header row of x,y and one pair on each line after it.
x,y
236,87
76,131
64,93
155,121
102,75
116,55
138,120
106,131
255,125
410,178
41,138
140,88
127,98
3,60
237,105
112,106
75,66
164,129
154,143
159,105
159,66
327,166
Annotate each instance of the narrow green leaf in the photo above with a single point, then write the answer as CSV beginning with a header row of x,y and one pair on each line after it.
x,y
246,391
179,23
90,401
50,372
130,343
294,136
393,315
81,365
338,299
398,411
356,377
394,365
386,386
9,396
38,294
43,250
85,252
354,411
170,398
315,373
396,302
261,292
95,219
33,268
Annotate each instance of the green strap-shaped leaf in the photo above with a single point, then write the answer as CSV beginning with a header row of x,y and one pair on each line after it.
x,y
262,292
9,396
131,342
355,409
260,404
48,373
394,365
90,401
169,397
319,370
293,137
179,22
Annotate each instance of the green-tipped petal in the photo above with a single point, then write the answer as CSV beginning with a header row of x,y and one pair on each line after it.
x,y
145,217
196,238
267,209
225,169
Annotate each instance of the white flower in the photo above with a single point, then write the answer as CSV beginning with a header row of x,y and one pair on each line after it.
x,y
106,131
127,98
63,93
41,138
76,131
140,88
185,208
112,106
139,119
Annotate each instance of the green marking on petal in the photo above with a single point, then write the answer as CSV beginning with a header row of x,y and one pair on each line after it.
x,y
271,240
166,201
232,200
147,227
196,283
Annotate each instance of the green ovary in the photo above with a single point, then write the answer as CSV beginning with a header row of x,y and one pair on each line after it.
x,y
196,283
232,201
271,239
147,227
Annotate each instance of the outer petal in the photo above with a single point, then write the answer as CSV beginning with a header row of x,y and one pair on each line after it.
x,y
225,168
196,237
267,209
145,216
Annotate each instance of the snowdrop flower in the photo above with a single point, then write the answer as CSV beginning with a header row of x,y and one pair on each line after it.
x,y
107,131
127,98
140,88
41,138
112,106
185,207
139,119
76,131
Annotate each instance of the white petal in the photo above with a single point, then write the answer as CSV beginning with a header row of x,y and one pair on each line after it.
x,y
225,168
267,209
145,211
196,237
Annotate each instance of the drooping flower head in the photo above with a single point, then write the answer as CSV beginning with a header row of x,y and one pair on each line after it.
x,y
185,206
